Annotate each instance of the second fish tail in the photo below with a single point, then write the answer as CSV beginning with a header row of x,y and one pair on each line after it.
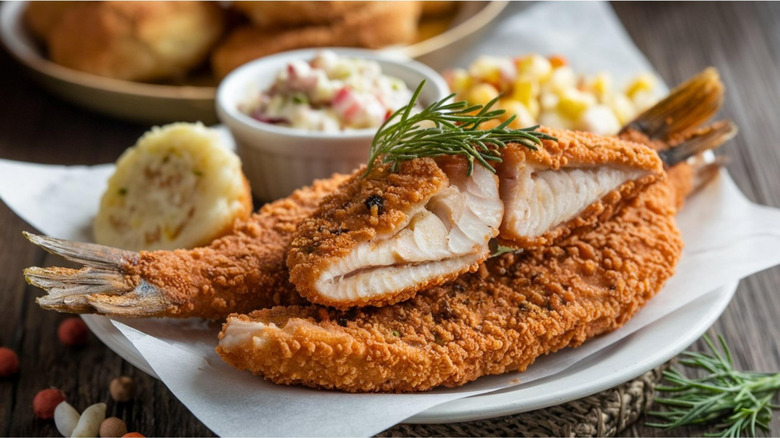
x,y
685,108
101,286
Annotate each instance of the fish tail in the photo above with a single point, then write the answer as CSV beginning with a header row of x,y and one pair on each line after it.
x,y
685,108
702,140
101,286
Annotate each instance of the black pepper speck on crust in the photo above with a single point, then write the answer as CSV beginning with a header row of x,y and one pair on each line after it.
x,y
375,205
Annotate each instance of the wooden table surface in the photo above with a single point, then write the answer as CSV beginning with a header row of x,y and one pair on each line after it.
x,y
741,40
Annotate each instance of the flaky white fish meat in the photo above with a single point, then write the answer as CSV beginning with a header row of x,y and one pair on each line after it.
x,y
379,239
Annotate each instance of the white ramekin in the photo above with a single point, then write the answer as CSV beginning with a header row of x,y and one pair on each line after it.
x,y
278,159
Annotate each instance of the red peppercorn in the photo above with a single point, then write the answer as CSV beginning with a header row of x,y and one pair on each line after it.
x,y
73,332
46,401
9,362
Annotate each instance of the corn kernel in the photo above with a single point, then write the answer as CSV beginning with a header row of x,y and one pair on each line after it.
x,y
534,66
601,86
599,119
481,94
533,108
523,117
643,82
526,89
459,80
623,108
486,69
574,102
548,101
561,79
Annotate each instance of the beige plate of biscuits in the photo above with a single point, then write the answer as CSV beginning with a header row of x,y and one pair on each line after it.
x,y
162,103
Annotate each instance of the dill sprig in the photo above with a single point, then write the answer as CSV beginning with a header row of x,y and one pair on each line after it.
x,y
450,129
739,401
497,250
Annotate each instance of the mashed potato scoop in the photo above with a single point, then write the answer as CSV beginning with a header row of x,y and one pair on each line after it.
x,y
178,187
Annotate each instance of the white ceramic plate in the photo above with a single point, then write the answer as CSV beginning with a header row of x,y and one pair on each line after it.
x,y
158,103
619,363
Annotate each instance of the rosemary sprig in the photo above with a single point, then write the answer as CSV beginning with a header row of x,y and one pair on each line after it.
x,y
740,401
454,131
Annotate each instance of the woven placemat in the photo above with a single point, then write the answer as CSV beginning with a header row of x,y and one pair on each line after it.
x,y
606,413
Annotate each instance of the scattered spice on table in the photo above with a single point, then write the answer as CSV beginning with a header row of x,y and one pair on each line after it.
x,y
113,427
9,362
122,389
73,332
46,401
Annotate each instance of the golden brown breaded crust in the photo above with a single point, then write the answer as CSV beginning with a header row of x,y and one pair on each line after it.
x,y
360,210
516,308
296,13
136,41
241,272
580,149
377,25
42,17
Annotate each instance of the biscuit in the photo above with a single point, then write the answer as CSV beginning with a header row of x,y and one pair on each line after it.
x,y
296,13
136,41
376,25
42,17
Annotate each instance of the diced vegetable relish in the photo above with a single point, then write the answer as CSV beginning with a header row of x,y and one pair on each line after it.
x,y
547,91
329,93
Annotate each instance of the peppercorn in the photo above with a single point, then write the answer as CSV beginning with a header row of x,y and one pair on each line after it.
x,y
46,401
375,205
73,332
9,362
113,427
122,389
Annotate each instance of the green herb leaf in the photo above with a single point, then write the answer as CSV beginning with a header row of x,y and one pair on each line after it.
x,y
739,400
501,250
300,98
455,131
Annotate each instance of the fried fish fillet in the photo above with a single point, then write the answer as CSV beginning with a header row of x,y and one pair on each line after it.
x,y
383,237
516,308
379,239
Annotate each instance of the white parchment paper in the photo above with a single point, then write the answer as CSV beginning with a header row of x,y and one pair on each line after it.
x,y
726,237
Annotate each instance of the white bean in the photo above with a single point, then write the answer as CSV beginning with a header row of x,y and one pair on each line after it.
x,y
89,423
66,417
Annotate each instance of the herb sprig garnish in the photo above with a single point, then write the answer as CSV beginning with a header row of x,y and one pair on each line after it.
x,y
739,400
454,131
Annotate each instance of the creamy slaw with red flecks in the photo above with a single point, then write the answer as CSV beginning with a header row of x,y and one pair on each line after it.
x,y
329,93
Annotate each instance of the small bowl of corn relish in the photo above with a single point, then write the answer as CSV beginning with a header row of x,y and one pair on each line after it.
x,y
547,91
